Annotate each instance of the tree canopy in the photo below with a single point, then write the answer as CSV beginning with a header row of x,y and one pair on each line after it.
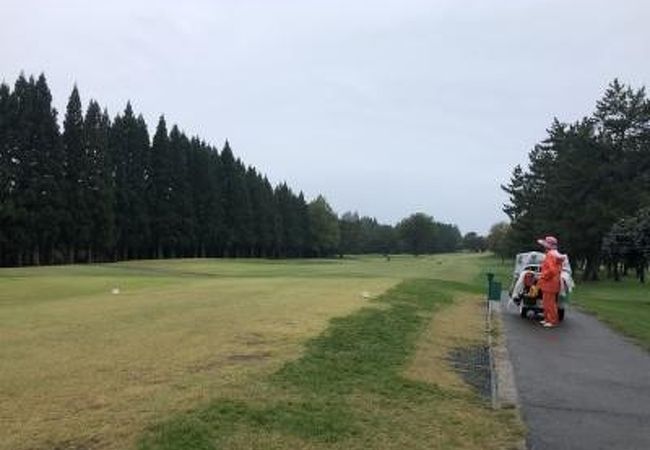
x,y
584,177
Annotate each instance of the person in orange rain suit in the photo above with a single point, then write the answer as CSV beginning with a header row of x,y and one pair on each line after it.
x,y
550,280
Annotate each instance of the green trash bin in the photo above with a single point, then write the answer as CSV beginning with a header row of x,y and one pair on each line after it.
x,y
494,288
495,292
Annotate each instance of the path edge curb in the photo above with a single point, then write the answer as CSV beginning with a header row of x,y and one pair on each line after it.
x,y
502,377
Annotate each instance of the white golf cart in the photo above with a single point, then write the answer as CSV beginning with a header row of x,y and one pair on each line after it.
x,y
524,292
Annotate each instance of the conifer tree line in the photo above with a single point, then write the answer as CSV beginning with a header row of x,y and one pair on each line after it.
x,y
103,189
581,184
417,234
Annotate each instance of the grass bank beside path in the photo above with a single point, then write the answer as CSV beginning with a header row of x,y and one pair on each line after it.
x,y
237,354
624,305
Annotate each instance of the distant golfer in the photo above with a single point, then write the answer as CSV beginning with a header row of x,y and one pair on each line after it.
x,y
550,280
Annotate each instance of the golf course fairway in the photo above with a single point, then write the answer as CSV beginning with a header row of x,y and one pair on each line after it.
x,y
208,354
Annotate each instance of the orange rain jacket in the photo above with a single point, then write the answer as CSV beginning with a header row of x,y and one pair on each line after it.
x,y
550,276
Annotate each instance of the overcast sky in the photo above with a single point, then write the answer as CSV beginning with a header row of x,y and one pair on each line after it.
x,y
385,107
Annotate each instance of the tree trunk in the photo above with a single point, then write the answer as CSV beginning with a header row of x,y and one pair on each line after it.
x,y
591,269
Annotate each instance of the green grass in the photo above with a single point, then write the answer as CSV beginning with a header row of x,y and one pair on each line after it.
x,y
234,354
624,305
360,355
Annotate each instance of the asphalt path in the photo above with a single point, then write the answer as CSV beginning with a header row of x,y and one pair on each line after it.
x,y
580,385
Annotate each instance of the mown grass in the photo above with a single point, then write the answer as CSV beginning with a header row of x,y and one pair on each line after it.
x,y
102,366
213,351
624,305
358,360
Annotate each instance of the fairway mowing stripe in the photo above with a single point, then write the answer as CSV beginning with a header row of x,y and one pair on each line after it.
x,y
362,352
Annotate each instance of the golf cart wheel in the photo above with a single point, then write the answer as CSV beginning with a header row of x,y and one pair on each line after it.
x,y
560,314
524,312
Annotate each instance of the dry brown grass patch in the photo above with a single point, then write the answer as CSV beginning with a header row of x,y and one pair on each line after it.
x,y
462,324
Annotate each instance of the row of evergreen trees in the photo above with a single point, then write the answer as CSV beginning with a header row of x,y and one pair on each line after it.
x,y
583,178
102,190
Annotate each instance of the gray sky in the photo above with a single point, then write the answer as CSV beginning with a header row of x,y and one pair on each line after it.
x,y
385,107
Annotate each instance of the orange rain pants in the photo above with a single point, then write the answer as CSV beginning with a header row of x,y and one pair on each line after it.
x,y
549,282
549,300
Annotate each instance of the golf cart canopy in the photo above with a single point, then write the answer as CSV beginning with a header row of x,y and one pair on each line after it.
x,y
528,259
533,261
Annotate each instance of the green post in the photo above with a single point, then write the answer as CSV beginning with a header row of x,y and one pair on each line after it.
x,y
490,278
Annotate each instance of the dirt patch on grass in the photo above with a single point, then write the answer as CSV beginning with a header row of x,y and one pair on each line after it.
x,y
473,365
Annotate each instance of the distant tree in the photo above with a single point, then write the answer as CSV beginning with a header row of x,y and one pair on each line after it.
x,y
263,210
447,238
268,212
472,241
363,235
324,227
386,239
374,237
350,233
417,232
237,205
304,224
293,220
497,240
207,210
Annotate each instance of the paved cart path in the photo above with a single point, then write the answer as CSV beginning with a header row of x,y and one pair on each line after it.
x,y
581,385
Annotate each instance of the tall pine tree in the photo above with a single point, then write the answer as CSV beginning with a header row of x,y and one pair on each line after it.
x,y
79,224
129,146
100,183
